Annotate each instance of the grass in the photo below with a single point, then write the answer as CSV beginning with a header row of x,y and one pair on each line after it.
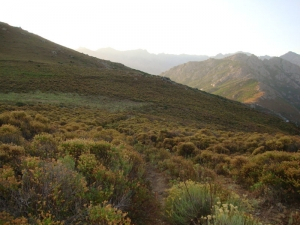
x,y
70,100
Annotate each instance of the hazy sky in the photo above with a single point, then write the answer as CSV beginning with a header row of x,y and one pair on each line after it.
x,y
262,27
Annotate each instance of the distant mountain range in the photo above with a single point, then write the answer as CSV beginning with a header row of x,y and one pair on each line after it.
x,y
272,83
151,63
142,60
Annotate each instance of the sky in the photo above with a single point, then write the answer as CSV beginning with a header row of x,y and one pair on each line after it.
x,y
198,27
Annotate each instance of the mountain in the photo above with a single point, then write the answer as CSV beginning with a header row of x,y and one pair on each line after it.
x,y
88,141
32,64
142,60
273,84
151,63
292,57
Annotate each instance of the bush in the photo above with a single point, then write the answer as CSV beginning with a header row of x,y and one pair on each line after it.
x,y
11,154
46,187
45,146
10,134
106,214
188,201
187,149
101,149
27,125
229,214
75,147
7,219
279,171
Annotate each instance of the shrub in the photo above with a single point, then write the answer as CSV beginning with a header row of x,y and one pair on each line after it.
x,y
258,150
188,201
229,214
86,164
11,154
48,187
10,134
106,214
210,159
75,147
45,146
187,149
279,171
27,125
6,219
219,148
178,167
101,149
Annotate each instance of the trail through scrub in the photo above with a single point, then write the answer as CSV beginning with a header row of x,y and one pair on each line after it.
x,y
159,185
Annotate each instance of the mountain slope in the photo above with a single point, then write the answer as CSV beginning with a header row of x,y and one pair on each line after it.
x,y
273,84
143,60
27,65
292,57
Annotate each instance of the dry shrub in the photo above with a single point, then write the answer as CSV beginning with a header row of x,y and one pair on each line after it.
x,y
210,159
11,154
45,146
7,219
278,171
258,150
219,148
183,169
187,149
106,214
48,187
10,134
294,218
27,125
157,154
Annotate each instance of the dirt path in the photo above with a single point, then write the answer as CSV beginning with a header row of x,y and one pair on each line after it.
x,y
159,185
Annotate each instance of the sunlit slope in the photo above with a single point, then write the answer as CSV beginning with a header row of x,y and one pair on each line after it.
x,y
273,84
33,65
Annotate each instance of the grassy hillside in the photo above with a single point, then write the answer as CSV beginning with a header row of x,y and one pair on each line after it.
x,y
80,142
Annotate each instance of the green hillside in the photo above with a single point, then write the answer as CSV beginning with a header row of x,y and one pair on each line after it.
x,y
88,141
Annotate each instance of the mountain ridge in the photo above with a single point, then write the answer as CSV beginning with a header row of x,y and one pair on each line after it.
x,y
246,79
29,66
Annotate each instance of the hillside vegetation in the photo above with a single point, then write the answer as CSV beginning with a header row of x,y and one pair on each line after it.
x,y
78,134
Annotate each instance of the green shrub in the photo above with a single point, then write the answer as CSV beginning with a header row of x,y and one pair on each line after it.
x,y
188,201
101,149
86,164
75,147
